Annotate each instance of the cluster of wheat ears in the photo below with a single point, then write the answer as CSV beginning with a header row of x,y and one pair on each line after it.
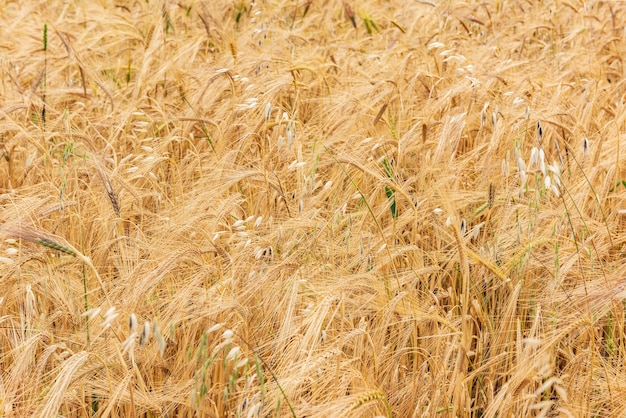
x,y
312,208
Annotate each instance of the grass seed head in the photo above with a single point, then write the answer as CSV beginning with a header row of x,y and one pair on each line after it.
x,y
132,322
145,333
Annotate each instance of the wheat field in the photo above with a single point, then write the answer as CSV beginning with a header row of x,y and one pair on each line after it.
x,y
312,208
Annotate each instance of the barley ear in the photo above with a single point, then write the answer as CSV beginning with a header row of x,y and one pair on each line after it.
x,y
369,397
110,192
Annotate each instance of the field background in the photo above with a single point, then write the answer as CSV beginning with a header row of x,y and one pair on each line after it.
x,y
312,208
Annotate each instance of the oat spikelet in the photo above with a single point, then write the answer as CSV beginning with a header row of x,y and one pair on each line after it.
x,y
145,334
158,336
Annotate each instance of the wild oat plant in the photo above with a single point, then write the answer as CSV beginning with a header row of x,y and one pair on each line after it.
x,y
312,208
